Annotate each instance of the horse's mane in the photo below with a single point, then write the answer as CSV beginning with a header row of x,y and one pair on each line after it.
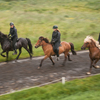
x,y
45,39
89,38
3,34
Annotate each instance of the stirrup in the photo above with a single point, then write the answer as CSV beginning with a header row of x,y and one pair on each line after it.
x,y
58,58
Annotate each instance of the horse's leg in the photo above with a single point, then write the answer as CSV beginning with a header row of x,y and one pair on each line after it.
x,y
51,60
90,67
18,54
6,56
28,52
94,65
2,54
66,53
42,61
69,57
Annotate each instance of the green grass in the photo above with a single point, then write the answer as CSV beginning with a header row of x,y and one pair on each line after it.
x,y
78,89
33,18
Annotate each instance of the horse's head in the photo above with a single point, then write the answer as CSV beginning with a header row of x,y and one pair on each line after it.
x,y
87,42
40,41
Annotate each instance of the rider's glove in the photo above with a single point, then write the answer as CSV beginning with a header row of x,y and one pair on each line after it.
x,y
53,41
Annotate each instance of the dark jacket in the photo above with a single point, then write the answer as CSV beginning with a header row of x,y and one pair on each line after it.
x,y
13,33
55,37
56,42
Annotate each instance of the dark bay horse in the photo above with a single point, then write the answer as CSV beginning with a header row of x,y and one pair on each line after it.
x,y
94,51
48,49
6,45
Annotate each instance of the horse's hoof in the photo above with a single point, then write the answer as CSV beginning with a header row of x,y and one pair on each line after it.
x,y
4,62
15,60
88,73
69,60
52,65
30,58
62,65
97,66
38,67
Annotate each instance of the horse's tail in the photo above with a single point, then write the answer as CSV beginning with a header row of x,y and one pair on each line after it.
x,y
30,45
72,49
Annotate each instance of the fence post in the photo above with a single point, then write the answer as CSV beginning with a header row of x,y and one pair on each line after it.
x,y
63,80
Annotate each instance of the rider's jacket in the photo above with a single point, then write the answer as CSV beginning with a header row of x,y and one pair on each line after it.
x,y
56,38
13,33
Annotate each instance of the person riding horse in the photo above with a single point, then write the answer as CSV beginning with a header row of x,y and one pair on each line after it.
x,y
14,36
56,40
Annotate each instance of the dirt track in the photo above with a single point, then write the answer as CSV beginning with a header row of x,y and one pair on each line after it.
x,y
15,76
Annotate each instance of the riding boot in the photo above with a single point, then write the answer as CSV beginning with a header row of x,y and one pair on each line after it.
x,y
57,53
14,47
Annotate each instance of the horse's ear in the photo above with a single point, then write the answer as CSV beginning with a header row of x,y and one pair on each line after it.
x,y
42,38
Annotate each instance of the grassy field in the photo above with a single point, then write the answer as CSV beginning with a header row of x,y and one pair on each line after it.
x,y
78,89
33,18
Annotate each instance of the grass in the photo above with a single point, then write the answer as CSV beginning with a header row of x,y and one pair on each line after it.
x,y
78,89
33,18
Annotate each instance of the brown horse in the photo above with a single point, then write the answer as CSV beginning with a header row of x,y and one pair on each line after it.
x,y
94,51
48,49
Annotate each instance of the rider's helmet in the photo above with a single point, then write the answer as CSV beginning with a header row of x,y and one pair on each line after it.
x,y
11,23
55,27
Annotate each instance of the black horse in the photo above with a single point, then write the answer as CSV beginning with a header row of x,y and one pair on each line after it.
x,y
6,45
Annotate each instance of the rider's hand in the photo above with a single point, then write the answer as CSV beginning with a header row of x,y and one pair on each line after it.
x,y
53,41
9,36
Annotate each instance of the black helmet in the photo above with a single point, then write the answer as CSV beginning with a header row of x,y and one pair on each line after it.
x,y
55,26
11,23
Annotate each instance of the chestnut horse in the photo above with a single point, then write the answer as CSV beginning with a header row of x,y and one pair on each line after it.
x,y
48,49
94,51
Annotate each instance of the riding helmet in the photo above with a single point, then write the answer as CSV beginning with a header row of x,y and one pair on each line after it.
x,y
11,23
55,27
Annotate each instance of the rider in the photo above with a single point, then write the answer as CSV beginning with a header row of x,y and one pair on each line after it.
x,y
14,37
56,40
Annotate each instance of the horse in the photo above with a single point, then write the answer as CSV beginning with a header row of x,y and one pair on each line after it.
x,y
6,45
48,50
94,51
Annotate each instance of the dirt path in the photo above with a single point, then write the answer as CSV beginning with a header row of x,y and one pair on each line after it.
x,y
15,76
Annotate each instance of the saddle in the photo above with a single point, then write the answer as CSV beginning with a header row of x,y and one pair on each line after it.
x,y
11,42
53,44
18,39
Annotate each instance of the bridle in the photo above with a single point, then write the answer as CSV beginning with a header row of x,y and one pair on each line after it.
x,y
39,43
